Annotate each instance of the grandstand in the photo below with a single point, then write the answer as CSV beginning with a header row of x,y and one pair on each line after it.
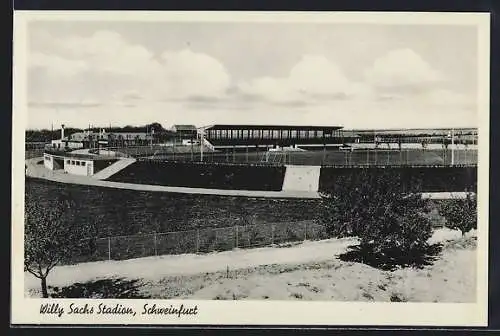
x,y
202,175
273,136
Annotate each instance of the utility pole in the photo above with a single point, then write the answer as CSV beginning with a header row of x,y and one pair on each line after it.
x,y
201,143
152,133
452,147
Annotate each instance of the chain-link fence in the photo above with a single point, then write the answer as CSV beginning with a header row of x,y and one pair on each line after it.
x,y
373,157
197,241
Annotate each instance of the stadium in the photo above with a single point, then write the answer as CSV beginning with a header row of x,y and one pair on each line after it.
x,y
299,158
213,188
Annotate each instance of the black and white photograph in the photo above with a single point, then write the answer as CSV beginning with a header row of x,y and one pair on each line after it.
x,y
241,168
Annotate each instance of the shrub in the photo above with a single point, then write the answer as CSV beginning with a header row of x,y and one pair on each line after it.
x,y
388,220
460,214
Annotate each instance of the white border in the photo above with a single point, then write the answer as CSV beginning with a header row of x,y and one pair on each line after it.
x,y
26,311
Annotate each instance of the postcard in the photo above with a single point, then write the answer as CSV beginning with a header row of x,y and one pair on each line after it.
x,y
250,168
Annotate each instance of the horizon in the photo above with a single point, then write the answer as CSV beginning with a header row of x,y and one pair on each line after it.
x,y
165,127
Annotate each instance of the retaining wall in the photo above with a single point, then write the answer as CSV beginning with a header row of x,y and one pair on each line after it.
x,y
432,179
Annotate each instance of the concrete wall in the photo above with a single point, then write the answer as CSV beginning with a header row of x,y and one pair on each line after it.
x,y
301,178
78,166
48,162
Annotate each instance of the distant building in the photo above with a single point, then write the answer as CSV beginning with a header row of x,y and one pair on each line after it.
x,y
65,143
185,131
90,139
62,144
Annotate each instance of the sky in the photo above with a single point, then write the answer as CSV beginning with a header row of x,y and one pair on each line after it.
x,y
352,75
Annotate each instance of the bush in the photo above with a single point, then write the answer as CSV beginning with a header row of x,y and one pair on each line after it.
x,y
390,223
460,214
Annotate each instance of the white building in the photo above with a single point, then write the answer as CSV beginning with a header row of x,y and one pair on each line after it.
x,y
71,165
84,167
62,144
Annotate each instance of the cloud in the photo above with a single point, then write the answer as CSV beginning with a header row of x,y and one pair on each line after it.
x,y
105,78
105,64
402,71
313,78
186,73
58,66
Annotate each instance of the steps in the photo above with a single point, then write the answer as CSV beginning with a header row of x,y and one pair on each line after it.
x,y
301,178
113,169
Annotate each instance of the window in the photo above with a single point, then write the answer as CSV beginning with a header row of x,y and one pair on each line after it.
x,y
284,134
311,134
265,134
245,134
77,163
303,134
67,161
83,164
294,134
72,162
276,134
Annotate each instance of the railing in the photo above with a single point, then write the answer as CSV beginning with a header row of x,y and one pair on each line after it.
x,y
93,154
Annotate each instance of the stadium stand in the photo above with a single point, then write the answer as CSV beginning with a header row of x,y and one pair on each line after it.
x,y
199,175
431,179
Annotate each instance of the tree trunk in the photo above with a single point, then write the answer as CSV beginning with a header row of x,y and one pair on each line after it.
x,y
44,287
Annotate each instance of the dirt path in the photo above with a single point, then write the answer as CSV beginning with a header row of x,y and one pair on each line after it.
x,y
154,268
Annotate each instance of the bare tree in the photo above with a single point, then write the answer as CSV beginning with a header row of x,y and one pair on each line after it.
x,y
51,235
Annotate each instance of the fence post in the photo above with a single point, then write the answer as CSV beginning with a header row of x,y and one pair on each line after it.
x,y
215,245
272,233
305,230
109,248
236,240
154,242
197,240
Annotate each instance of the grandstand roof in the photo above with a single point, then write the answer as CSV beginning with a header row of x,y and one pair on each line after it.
x,y
272,127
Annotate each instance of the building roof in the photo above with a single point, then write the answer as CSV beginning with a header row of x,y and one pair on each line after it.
x,y
273,127
184,128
